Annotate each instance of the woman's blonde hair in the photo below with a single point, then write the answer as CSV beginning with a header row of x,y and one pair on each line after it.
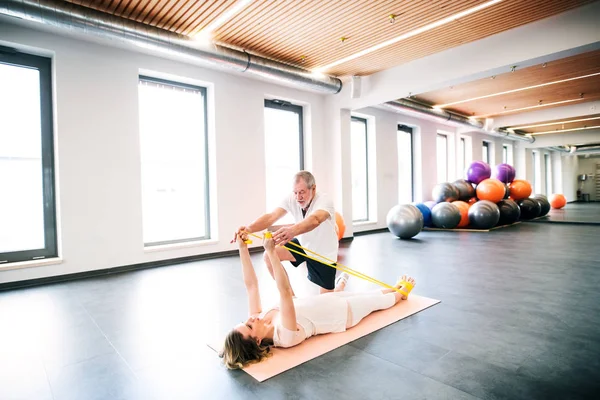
x,y
239,351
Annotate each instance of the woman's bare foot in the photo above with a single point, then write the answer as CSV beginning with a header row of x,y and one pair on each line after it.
x,y
341,281
401,286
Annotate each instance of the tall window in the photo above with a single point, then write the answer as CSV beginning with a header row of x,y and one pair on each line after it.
x,y
537,181
174,152
548,168
405,165
486,152
504,154
284,147
462,157
442,157
360,171
27,202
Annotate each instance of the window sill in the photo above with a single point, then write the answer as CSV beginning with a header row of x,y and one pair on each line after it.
x,y
364,223
175,246
31,264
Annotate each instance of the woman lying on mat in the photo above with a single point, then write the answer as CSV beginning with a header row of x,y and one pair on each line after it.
x,y
296,319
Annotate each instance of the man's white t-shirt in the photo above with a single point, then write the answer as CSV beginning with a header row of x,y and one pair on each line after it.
x,y
323,239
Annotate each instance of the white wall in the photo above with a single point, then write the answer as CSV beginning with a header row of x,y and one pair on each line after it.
x,y
588,166
98,158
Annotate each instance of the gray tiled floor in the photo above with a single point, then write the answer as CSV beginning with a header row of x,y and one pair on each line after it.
x,y
519,319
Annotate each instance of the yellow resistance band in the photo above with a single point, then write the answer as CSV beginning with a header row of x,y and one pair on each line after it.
x,y
339,266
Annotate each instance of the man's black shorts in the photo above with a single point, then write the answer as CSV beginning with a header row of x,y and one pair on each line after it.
x,y
318,273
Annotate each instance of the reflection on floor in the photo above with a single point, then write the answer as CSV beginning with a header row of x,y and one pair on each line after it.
x,y
575,213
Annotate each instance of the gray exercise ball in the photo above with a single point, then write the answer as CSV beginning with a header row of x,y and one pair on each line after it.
x,y
484,214
445,215
404,221
465,189
444,192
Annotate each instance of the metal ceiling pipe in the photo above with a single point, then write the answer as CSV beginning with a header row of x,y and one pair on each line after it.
x,y
72,18
438,115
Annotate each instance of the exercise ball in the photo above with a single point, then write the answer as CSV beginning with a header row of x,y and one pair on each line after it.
x,y
463,208
520,189
491,189
530,208
445,215
509,212
478,171
504,173
558,201
472,200
484,215
340,225
465,189
544,204
506,191
426,211
404,221
444,192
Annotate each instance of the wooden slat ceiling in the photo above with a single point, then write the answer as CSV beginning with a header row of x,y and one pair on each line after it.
x,y
307,33
567,68
180,16
562,124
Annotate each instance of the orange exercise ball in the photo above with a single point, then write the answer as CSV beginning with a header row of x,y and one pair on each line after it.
x,y
558,200
472,201
490,189
340,225
520,189
463,207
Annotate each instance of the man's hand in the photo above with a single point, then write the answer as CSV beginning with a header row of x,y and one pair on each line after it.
x,y
283,235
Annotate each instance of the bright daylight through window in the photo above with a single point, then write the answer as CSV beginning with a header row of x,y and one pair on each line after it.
x,y
27,203
284,140
173,139
360,173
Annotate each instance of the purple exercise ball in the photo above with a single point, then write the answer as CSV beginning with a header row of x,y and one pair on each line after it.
x,y
478,171
504,173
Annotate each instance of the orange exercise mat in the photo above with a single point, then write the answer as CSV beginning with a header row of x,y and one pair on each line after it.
x,y
284,359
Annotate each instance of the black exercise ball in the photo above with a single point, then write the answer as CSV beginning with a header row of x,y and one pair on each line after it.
x,y
465,189
506,191
445,215
444,192
544,204
530,208
509,212
484,215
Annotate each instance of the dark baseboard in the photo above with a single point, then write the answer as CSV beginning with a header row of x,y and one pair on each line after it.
x,y
379,230
118,270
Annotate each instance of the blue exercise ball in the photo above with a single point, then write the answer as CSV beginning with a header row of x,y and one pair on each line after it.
x,y
426,211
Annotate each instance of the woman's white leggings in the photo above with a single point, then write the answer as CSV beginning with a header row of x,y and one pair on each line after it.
x,y
362,304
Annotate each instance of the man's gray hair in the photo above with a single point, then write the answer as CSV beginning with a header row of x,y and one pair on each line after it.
x,y
306,177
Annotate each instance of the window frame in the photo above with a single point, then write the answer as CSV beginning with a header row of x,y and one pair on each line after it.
x,y
505,154
287,106
409,130
445,136
367,204
204,91
16,58
486,146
